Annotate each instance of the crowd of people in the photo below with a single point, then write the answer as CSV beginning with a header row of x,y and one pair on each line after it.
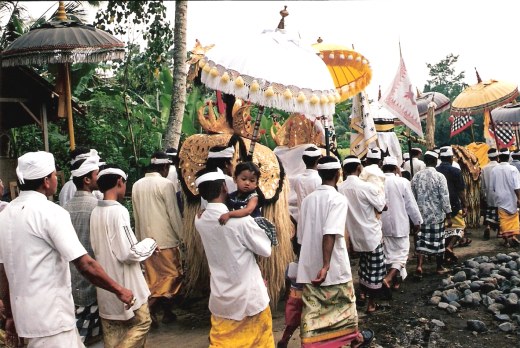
x,y
83,265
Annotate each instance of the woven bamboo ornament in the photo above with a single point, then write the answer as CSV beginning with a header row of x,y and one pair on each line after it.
x,y
296,130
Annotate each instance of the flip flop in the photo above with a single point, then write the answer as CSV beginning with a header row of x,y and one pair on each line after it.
x,y
368,337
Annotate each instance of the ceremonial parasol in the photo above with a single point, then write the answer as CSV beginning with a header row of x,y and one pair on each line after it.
x,y
62,41
480,98
350,71
506,119
429,105
272,70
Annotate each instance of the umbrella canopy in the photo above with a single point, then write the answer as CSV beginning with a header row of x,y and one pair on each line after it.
x,y
442,103
350,71
272,70
507,113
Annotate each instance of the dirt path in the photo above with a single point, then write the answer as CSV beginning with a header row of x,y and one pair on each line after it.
x,y
403,325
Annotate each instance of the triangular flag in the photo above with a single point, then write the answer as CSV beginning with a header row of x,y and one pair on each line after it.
x,y
400,100
363,129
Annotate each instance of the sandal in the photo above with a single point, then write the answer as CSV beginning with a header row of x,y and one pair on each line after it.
x,y
378,308
464,242
368,336
442,271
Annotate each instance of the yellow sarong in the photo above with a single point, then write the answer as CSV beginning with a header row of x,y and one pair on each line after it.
x,y
509,224
163,273
255,331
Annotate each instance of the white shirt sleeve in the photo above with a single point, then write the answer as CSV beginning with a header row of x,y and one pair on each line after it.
x,y
411,205
125,246
63,236
254,238
334,224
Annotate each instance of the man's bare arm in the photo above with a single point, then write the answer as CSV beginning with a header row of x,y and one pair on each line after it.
x,y
327,247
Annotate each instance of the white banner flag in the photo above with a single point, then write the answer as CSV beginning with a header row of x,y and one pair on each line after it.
x,y
400,100
363,129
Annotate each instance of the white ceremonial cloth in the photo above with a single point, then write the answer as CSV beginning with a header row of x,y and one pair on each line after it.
x,y
231,187
389,141
418,165
401,204
173,177
237,287
362,224
156,212
486,183
505,179
119,253
374,175
323,212
37,242
69,190
305,184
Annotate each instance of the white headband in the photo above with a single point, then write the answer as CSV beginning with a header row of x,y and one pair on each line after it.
x,y
160,161
329,165
92,152
90,164
226,153
116,171
406,156
493,153
211,176
312,153
432,153
34,165
389,160
506,152
173,153
374,153
447,152
417,149
351,160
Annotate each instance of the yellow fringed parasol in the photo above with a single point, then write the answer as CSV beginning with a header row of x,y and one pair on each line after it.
x,y
349,69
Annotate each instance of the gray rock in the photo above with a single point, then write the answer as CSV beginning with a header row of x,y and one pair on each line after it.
x,y
467,300
503,258
471,264
450,295
443,305
475,286
437,293
459,277
514,255
470,272
487,301
495,271
499,277
487,287
467,292
476,325
515,280
502,317
463,286
481,259
485,268
512,300
435,300
454,304
495,308
504,271
451,309
494,294
438,323
505,286
476,298
512,265
515,272
446,282
506,327
516,291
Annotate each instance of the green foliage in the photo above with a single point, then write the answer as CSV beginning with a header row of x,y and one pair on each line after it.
x,y
342,124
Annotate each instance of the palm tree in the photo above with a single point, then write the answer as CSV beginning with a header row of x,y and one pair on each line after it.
x,y
172,135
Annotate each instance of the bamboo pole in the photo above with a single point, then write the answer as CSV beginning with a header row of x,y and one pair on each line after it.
x,y
68,96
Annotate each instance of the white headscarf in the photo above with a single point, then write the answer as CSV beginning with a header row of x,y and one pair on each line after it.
x,y
35,165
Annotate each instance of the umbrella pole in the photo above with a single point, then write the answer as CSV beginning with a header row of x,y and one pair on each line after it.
x,y
68,95
255,132
472,133
494,130
327,135
410,152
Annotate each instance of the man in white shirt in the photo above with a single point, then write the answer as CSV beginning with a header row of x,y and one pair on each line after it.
x,y
418,165
157,216
505,184
117,249
329,313
364,202
491,214
402,208
239,303
173,156
372,172
515,159
37,242
306,182
221,157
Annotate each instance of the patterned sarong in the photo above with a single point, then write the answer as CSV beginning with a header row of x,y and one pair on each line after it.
x,y
293,308
129,333
163,273
491,217
255,331
88,322
509,224
430,239
457,226
268,227
329,317
372,268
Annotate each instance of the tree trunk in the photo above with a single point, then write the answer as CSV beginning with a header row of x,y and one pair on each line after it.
x,y
430,128
172,136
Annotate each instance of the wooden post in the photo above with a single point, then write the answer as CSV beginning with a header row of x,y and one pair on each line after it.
x,y
327,135
68,94
45,127
410,153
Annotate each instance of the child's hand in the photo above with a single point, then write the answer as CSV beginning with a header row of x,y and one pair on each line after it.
x,y
199,214
223,218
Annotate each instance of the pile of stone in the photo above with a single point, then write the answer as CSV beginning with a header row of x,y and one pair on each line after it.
x,y
492,282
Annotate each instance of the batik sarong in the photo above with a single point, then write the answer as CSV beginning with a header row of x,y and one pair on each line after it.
x,y
129,333
163,273
329,316
430,239
372,269
457,226
491,217
509,224
254,331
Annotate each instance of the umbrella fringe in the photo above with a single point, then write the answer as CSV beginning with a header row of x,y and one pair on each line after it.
x,y
87,55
